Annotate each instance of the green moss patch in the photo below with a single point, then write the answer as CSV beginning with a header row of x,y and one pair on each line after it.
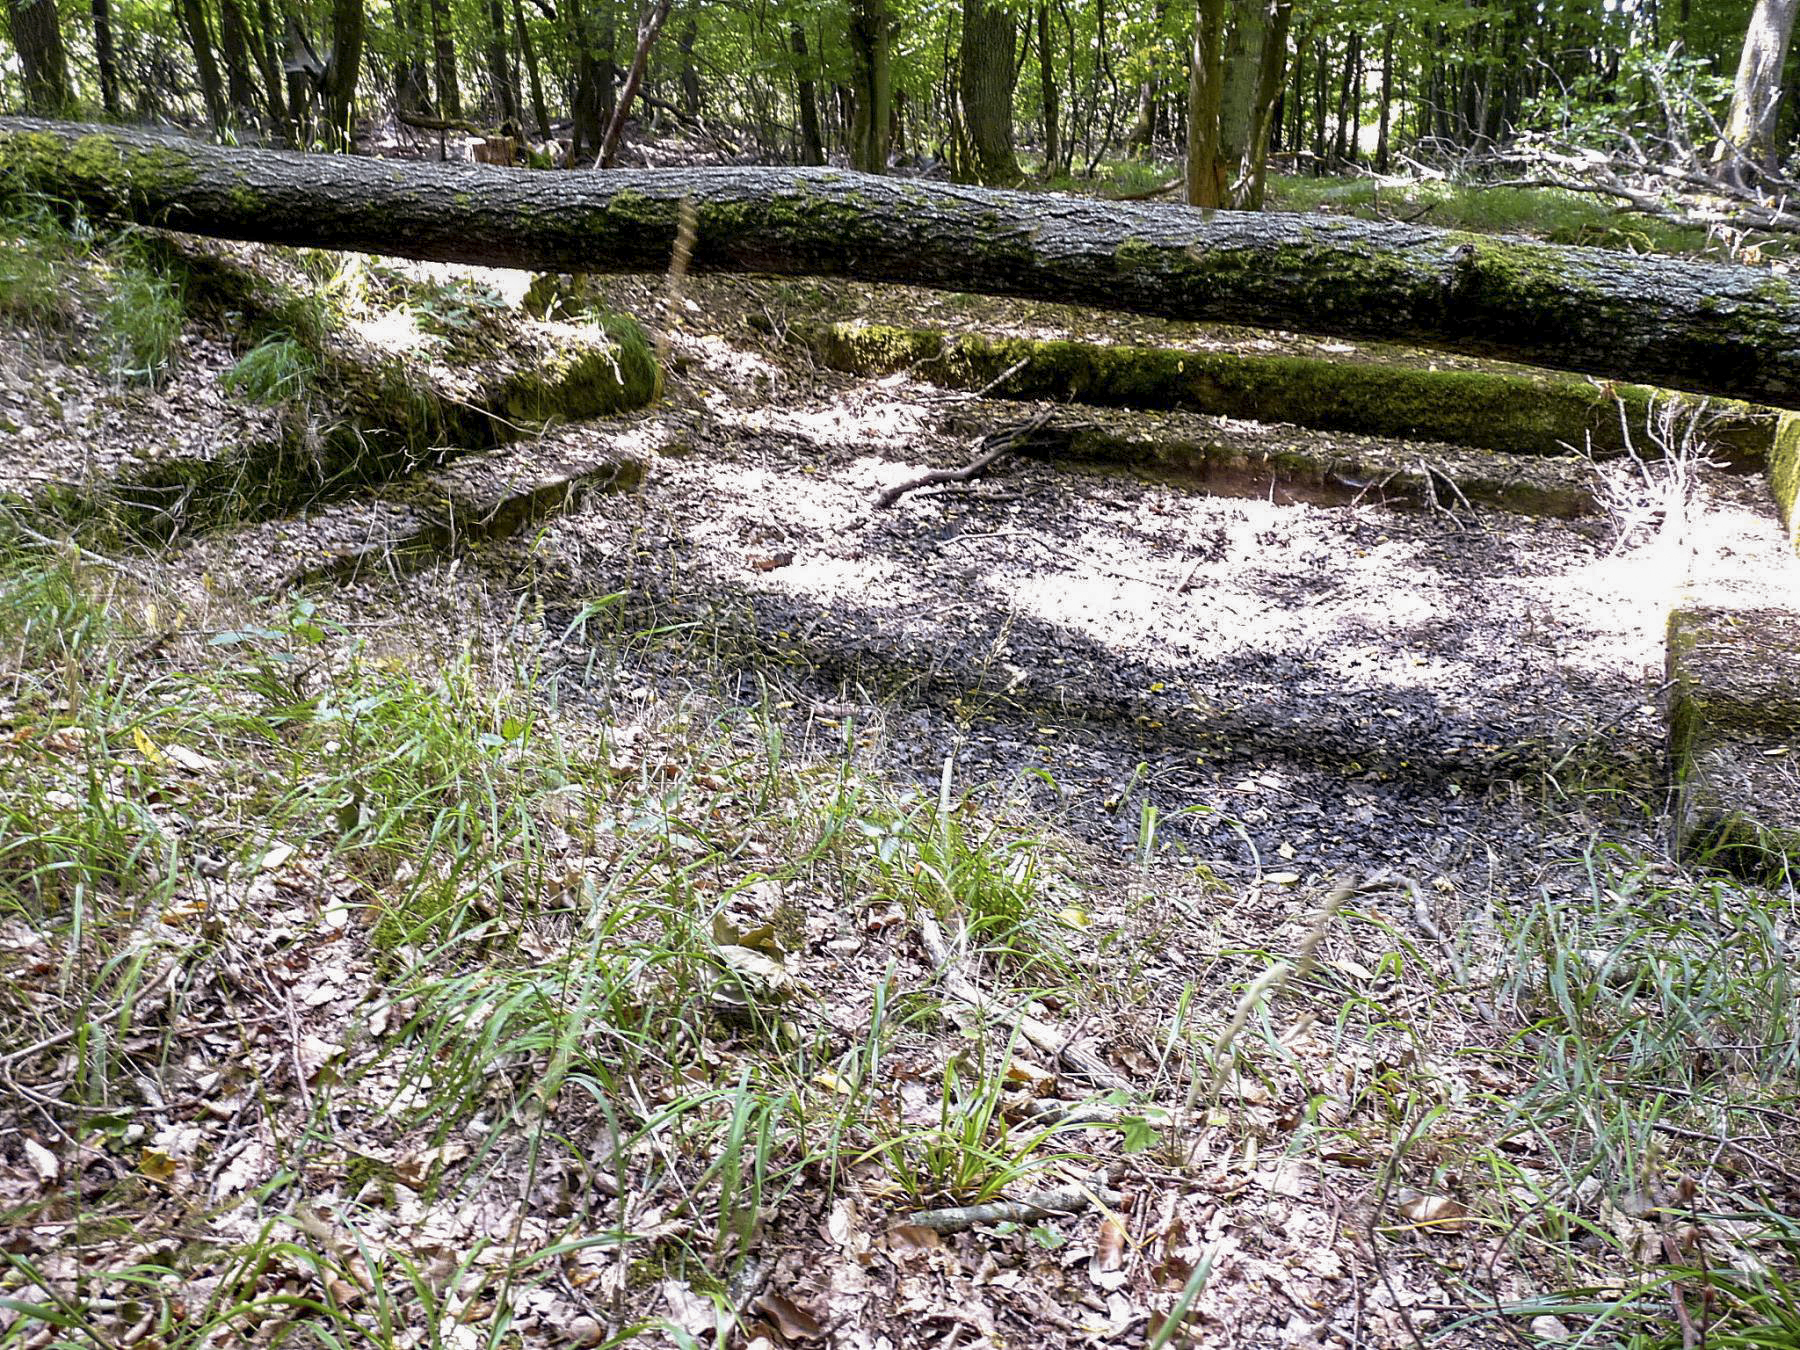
x,y
1536,414
1227,459
1784,474
1733,706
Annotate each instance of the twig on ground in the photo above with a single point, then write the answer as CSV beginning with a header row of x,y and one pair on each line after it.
x,y
973,468
1035,1205
1079,1061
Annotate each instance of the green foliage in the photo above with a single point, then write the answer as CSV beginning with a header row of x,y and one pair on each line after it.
x,y
141,321
276,370
36,250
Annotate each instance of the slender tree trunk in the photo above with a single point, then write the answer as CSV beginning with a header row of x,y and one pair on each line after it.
x,y
412,86
1271,79
1387,98
649,25
1749,141
443,51
528,50
234,42
872,83
690,73
337,92
985,86
268,58
106,57
1343,145
506,93
1205,167
1242,93
812,143
1046,45
1296,138
37,38
199,36
1321,68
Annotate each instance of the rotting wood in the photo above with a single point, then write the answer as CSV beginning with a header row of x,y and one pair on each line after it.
x,y
1034,1205
1709,327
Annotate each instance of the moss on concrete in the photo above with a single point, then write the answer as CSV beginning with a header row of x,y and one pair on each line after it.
x,y
1491,410
1733,715
1784,474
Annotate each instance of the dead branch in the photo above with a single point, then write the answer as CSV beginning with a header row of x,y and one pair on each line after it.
x,y
997,445
1078,1060
1035,1205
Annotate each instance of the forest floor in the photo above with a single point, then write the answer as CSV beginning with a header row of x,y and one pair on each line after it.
x,y
663,922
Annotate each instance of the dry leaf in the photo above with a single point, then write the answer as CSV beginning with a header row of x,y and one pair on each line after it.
x,y
1106,1267
44,1163
1435,1211
794,1322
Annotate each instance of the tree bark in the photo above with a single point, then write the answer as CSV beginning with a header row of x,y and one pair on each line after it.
x,y
690,73
199,36
443,48
1047,91
506,92
872,79
812,142
1387,98
234,42
1756,93
985,88
1713,328
337,91
649,25
528,52
106,57
1205,165
37,38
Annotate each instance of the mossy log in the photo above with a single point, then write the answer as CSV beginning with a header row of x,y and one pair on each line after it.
x,y
1705,327
1512,412
1733,681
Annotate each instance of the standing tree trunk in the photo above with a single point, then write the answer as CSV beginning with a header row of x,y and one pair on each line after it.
x,y
650,23
1205,169
234,41
812,142
506,93
528,50
1387,98
986,78
199,36
443,51
268,59
106,57
1240,78
1749,142
872,84
1247,192
412,86
1046,45
37,38
337,91
690,74
1349,97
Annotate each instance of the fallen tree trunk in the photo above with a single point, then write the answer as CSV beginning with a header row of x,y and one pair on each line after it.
x,y
1708,327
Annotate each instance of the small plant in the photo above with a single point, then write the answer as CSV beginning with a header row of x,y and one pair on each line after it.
x,y
35,252
973,874
278,369
142,321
